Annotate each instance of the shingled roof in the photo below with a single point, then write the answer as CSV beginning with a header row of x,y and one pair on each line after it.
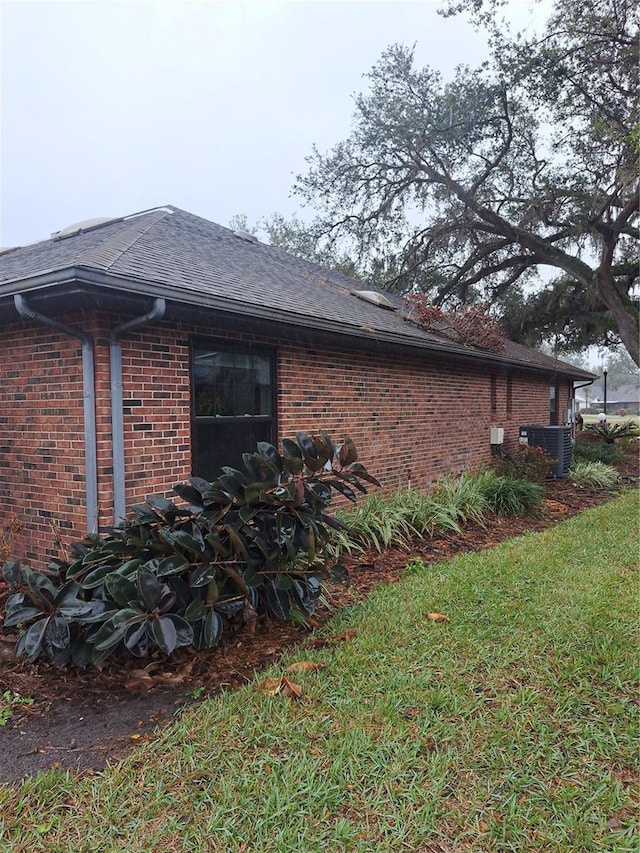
x,y
188,260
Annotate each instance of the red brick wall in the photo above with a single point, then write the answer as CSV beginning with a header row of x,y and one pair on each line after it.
x,y
42,474
413,420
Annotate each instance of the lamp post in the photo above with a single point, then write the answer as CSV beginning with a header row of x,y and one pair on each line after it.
x,y
604,374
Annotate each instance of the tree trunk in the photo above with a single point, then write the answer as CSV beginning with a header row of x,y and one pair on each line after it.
x,y
625,320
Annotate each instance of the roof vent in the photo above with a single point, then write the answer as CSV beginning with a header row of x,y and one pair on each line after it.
x,y
246,236
375,298
85,225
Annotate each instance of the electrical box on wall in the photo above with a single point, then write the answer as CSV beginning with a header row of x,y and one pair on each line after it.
x,y
497,435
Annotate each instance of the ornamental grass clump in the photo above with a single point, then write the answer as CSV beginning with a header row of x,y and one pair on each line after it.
x,y
507,495
463,497
593,474
175,573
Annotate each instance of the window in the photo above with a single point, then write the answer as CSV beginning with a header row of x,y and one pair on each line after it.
x,y
553,405
494,394
233,405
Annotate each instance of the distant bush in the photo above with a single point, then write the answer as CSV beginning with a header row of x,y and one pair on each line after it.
x,y
173,575
596,451
594,474
611,432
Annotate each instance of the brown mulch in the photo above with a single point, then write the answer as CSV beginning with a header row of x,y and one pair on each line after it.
x,y
81,719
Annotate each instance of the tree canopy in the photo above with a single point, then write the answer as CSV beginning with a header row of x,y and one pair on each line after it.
x,y
514,183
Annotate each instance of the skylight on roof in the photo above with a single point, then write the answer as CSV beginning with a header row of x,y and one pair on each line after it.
x,y
85,225
247,236
375,298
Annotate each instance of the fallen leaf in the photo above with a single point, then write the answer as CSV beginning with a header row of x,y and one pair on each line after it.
x,y
138,681
614,823
484,826
135,737
437,617
270,686
349,634
290,688
170,678
305,666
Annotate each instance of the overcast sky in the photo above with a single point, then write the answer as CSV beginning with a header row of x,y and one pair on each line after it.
x,y
109,108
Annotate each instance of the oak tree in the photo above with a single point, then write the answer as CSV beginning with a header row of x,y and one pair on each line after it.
x,y
514,183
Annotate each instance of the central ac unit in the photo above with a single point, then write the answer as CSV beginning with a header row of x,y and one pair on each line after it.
x,y
556,440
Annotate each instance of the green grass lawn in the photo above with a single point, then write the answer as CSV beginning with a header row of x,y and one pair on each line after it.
x,y
510,727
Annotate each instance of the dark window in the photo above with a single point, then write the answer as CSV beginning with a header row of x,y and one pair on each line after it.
x,y
494,394
233,405
553,405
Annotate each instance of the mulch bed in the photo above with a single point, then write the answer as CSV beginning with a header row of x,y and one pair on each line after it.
x,y
81,719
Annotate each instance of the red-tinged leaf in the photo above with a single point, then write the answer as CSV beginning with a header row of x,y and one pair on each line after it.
x,y
348,453
290,688
437,617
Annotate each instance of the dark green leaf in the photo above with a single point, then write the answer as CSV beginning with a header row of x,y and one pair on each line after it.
x,y
162,505
338,573
195,611
11,573
278,601
212,629
133,634
150,588
189,494
170,565
121,589
307,447
56,635
342,488
97,576
30,643
201,485
203,574
21,615
230,604
271,456
184,631
164,634
363,474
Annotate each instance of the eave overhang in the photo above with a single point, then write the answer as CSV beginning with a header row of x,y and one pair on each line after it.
x,y
79,289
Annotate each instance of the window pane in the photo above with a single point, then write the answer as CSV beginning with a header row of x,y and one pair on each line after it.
x,y
219,443
231,384
232,404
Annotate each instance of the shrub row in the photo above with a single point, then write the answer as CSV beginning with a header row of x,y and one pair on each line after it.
x,y
174,573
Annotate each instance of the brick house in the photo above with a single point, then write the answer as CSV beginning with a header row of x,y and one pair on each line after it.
x,y
135,352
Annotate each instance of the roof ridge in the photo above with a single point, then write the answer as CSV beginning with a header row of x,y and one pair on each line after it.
x,y
116,245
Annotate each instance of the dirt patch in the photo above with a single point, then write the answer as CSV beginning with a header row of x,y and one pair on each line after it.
x,y
81,719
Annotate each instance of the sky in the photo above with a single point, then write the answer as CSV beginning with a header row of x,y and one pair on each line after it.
x,y
110,108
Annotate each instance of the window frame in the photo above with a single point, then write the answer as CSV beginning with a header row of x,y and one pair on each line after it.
x,y
239,347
